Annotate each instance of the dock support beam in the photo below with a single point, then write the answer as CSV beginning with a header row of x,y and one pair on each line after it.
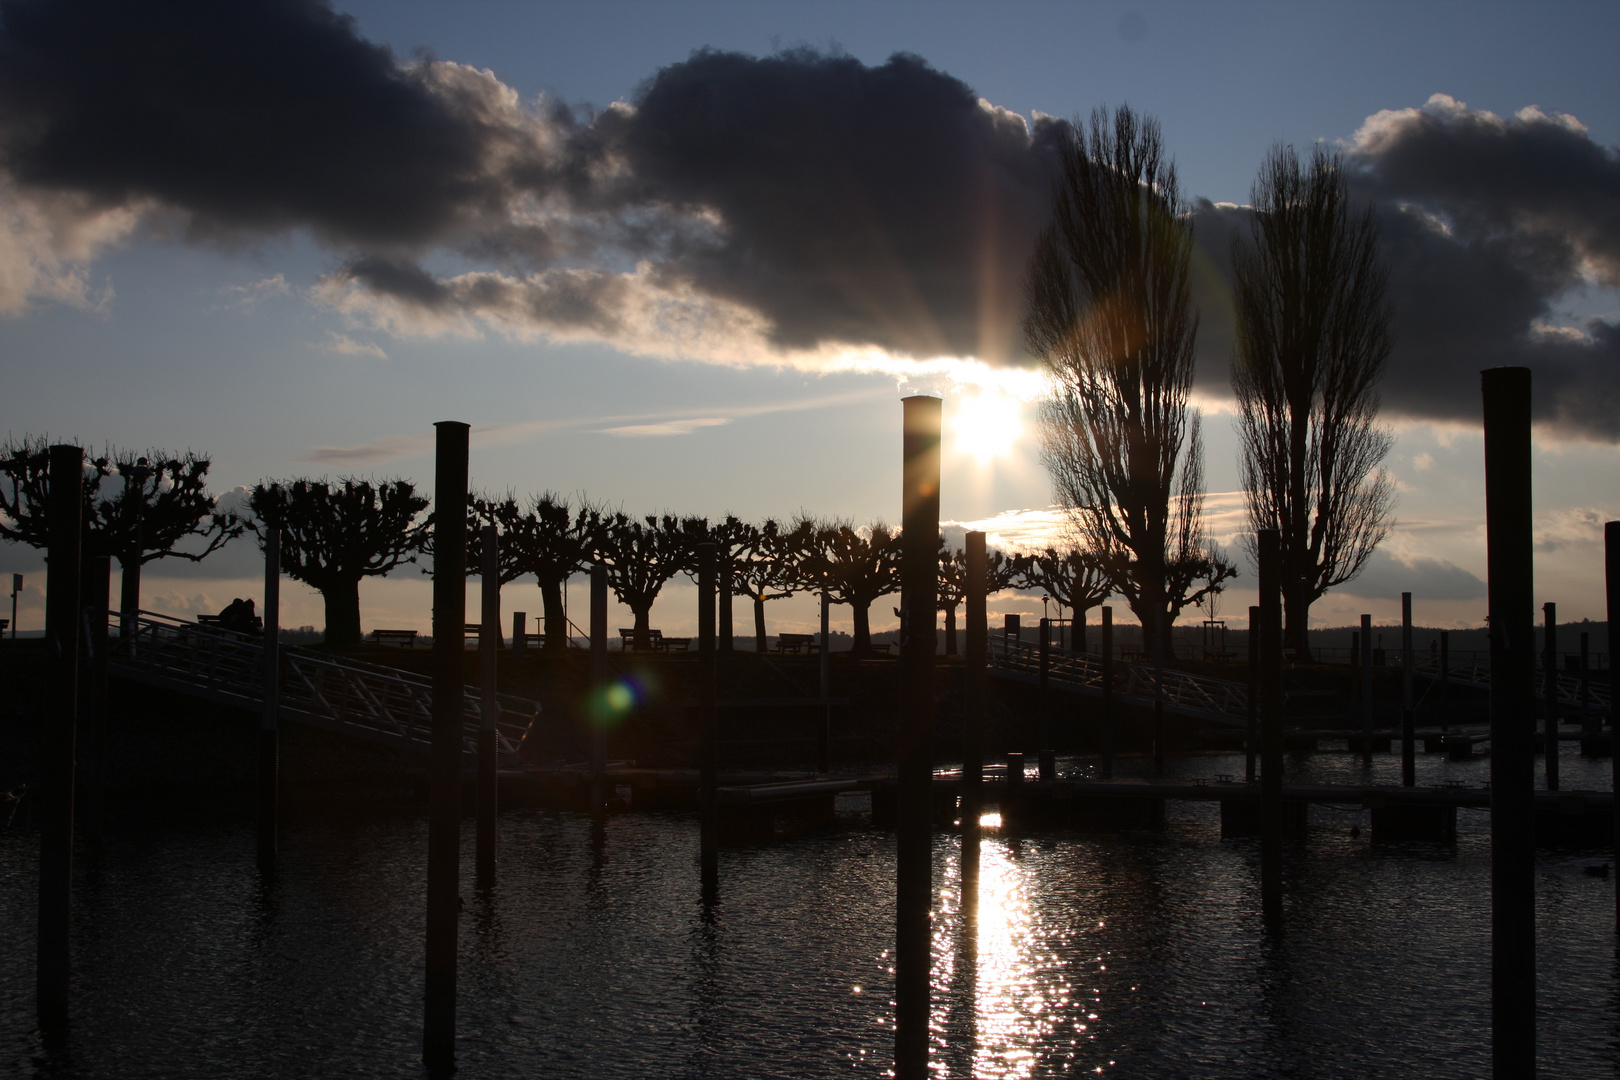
x,y
1108,691
1611,590
708,764
489,641
1408,724
973,717
270,717
444,810
1549,683
52,973
1251,728
919,578
1271,748
1510,555
597,713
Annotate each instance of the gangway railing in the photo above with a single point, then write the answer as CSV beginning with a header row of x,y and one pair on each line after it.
x,y
1184,693
369,701
1476,674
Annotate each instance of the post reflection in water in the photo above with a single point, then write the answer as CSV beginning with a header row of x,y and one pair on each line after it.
x,y
1006,1001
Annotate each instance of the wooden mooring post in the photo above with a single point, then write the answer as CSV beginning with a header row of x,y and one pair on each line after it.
x,y
824,736
489,641
1108,692
270,716
708,736
1366,691
1549,685
919,576
974,676
1611,595
1251,727
62,619
1408,723
1510,556
1442,691
444,775
1271,748
95,588
597,712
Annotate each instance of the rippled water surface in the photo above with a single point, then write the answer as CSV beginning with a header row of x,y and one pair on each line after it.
x,y
1127,953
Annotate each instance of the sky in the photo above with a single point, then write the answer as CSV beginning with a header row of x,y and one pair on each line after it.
x,y
688,257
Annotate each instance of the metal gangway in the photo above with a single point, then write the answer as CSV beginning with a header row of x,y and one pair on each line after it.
x,y
351,697
1478,675
1198,696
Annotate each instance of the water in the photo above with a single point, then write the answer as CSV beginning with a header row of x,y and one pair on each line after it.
x,y
1135,954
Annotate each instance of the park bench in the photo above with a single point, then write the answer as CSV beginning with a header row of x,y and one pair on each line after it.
x,y
627,639
406,638
674,644
209,620
795,642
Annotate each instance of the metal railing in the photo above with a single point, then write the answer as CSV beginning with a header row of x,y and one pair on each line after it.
x,y
353,697
1184,693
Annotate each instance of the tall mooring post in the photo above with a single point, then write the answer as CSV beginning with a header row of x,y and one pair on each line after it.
x,y
489,641
1408,721
919,576
1510,555
444,775
724,630
1611,591
1442,691
62,604
1271,748
597,712
1589,721
95,594
708,748
1108,692
1251,730
974,667
824,740
270,717
1161,642
1366,691
1549,686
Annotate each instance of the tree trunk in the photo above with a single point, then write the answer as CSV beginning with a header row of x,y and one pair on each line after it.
x,y
759,624
861,644
1297,623
950,629
1077,637
643,626
556,620
342,613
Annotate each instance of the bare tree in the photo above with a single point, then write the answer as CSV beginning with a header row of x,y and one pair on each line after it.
x,y
857,566
1312,341
553,539
768,569
641,555
136,509
1071,576
1001,572
332,537
1110,315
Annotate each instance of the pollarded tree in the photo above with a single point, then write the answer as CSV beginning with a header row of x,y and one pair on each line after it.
x,y
1071,576
769,569
332,537
1312,341
1110,315
641,555
553,540
1000,573
857,567
136,508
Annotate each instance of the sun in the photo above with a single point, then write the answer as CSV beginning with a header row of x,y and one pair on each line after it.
x,y
986,426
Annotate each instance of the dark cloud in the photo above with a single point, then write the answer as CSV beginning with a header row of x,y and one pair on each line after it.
x,y
806,198
872,205
256,114
1486,225
1385,577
